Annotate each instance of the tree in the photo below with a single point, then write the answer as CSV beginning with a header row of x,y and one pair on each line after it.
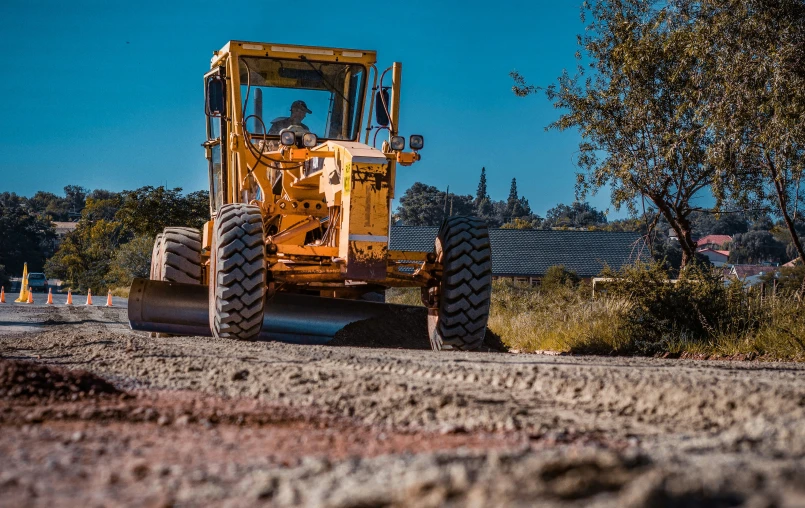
x,y
558,276
97,253
148,210
482,203
4,280
753,96
481,194
132,259
517,206
101,205
425,205
707,223
48,205
577,215
756,247
518,223
24,237
635,109
75,197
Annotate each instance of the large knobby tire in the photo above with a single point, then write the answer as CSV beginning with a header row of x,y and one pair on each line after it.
x,y
155,263
459,320
238,281
180,256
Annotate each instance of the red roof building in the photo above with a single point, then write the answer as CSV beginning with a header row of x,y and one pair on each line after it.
x,y
714,241
717,257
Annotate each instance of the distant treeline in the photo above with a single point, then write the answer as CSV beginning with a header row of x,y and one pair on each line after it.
x,y
111,242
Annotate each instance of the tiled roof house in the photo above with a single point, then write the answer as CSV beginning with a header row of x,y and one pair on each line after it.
x,y
717,257
715,242
526,254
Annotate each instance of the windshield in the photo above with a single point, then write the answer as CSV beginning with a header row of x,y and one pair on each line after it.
x,y
304,96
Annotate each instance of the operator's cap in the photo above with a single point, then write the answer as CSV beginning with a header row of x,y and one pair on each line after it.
x,y
300,105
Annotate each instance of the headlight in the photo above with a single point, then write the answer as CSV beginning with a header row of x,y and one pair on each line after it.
x,y
310,140
416,142
397,143
287,138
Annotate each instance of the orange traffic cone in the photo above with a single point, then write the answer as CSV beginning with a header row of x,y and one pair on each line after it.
x,y
89,297
30,296
50,296
3,294
109,298
69,297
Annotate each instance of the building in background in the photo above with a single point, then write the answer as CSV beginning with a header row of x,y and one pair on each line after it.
x,y
524,255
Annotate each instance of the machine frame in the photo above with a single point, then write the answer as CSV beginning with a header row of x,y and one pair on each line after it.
x,y
351,190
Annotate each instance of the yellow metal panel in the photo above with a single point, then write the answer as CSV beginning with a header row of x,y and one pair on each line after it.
x,y
400,255
294,51
307,250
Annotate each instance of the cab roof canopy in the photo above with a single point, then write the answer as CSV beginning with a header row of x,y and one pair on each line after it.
x,y
294,51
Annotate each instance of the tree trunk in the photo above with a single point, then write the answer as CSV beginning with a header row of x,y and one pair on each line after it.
x,y
782,200
682,228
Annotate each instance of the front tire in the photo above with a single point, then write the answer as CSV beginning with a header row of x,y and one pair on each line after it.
x,y
238,281
458,318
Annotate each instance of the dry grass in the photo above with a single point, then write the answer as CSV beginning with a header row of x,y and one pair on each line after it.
x,y
562,319
122,292
701,316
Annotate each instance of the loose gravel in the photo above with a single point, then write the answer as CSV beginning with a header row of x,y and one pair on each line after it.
x,y
569,431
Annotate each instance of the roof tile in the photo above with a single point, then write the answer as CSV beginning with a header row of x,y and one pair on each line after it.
x,y
530,252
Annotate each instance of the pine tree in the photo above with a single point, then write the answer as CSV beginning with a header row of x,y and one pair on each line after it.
x,y
482,203
513,208
513,191
481,193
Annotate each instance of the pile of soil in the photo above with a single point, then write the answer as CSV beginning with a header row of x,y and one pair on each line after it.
x,y
22,380
401,328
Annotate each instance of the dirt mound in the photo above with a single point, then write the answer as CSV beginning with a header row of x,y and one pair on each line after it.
x,y
401,328
30,380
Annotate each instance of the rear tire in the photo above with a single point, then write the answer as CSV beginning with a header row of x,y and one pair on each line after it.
x,y
180,256
459,320
155,270
238,281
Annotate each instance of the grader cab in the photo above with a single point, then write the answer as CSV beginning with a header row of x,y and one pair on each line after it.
x,y
300,204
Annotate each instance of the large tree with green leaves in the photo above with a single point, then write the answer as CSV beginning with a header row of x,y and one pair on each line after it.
x,y
634,105
577,215
111,243
24,236
752,54
425,205
149,210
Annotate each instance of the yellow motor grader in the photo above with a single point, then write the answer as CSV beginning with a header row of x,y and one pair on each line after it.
x,y
298,239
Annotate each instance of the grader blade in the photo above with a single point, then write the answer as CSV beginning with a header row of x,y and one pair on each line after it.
x,y
183,309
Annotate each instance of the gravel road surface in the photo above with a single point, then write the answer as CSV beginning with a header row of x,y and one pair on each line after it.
x,y
193,420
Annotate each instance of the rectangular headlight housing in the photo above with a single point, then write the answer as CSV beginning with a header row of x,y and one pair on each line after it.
x,y
397,143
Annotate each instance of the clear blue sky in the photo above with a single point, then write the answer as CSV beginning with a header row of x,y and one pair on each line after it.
x,y
109,94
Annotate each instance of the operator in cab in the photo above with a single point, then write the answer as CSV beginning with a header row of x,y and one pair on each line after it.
x,y
294,122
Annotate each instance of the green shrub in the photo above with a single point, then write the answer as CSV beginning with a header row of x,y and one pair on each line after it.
x,y
695,307
557,276
640,311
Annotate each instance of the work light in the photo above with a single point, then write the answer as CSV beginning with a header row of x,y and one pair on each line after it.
x,y
416,142
397,143
287,138
310,140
